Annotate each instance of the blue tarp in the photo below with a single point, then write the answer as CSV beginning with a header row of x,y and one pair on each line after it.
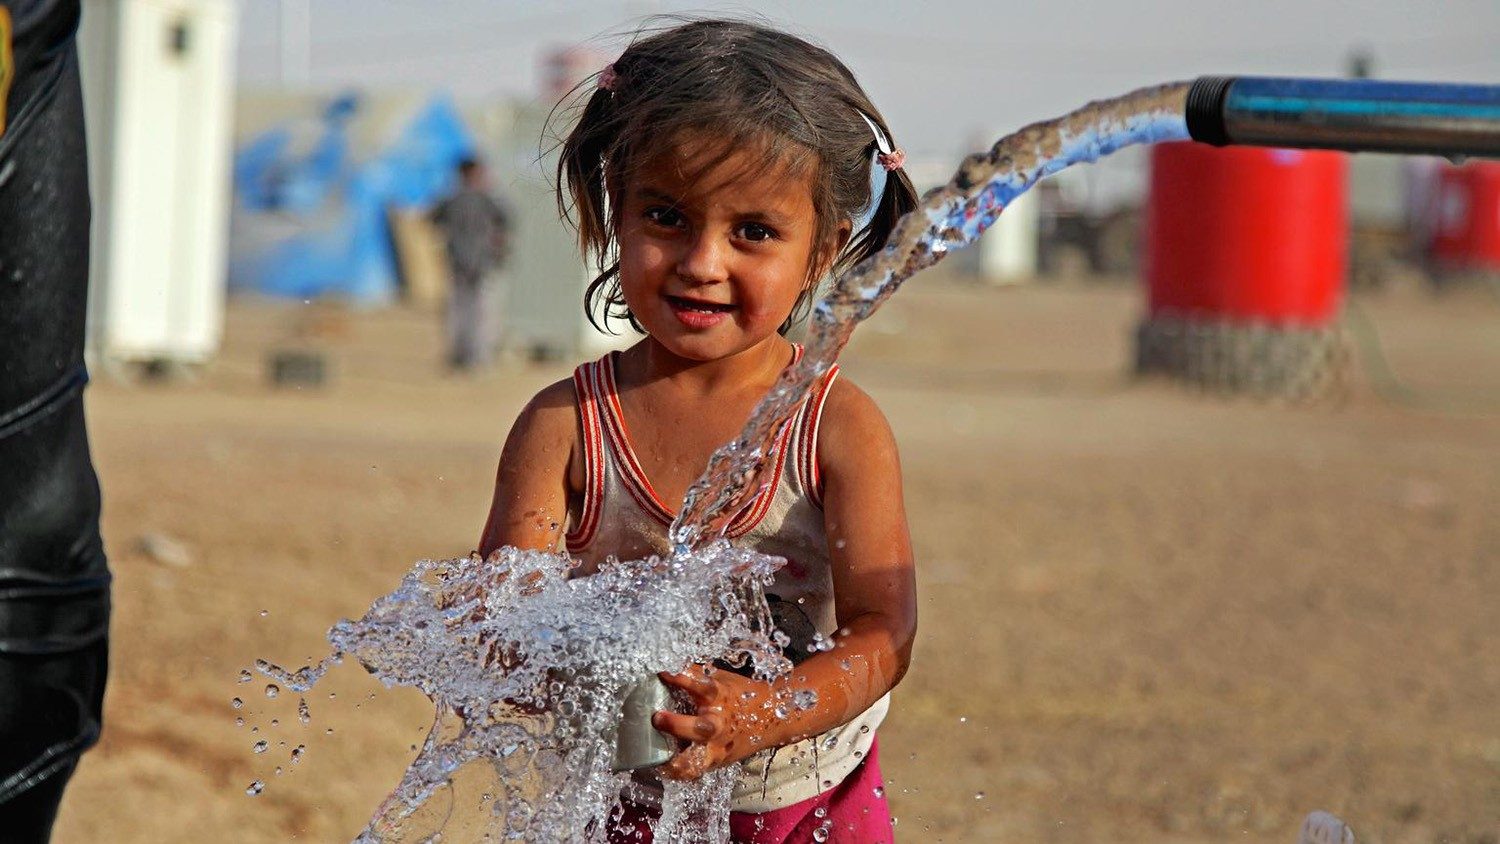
x,y
315,225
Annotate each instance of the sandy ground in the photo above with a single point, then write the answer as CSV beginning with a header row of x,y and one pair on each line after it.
x,y
1147,615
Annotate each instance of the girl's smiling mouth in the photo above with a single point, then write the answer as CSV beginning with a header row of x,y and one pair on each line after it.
x,y
697,313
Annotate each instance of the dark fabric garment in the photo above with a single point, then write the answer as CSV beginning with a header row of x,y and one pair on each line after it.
x,y
54,584
477,227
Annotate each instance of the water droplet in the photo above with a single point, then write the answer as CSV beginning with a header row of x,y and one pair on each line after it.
x,y
303,713
979,795
239,722
278,770
963,719
245,676
805,699
255,788
878,791
264,613
275,722
260,746
781,712
820,834
297,753
272,690
820,812
328,732
236,703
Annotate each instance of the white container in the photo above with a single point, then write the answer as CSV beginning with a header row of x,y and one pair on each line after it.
x,y
1008,249
1378,191
158,94
543,310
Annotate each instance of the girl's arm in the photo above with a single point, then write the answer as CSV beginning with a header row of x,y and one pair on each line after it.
x,y
537,475
874,583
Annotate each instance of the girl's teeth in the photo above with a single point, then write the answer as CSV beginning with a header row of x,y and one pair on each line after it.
x,y
702,307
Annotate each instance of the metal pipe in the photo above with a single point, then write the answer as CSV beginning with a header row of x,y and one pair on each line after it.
x,y
1357,115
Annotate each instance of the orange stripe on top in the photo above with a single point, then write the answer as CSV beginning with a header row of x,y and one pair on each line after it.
x,y
746,520
635,478
584,385
639,486
808,452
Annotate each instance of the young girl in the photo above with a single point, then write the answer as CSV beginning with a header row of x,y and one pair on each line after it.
x,y
718,171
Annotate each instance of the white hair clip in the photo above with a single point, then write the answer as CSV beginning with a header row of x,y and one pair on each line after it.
x,y
887,158
891,157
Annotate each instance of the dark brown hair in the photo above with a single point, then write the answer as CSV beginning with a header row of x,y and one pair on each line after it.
x,y
748,87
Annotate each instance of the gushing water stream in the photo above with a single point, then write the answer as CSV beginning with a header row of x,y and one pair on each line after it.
x,y
528,667
949,217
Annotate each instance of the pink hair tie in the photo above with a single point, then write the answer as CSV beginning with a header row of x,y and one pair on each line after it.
x,y
892,160
608,78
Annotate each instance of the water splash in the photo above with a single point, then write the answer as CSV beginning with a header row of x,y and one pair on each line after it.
x,y
528,667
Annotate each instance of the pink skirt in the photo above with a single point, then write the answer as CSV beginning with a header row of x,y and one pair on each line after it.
x,y
853,812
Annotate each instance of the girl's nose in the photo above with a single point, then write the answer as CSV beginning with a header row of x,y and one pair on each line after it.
x,y
704,260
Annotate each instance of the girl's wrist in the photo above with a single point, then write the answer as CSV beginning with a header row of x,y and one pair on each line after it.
x,y
791,712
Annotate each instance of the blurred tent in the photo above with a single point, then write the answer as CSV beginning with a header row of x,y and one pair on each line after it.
x,y
310,221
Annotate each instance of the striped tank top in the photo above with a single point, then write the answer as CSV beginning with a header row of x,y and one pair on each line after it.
x,y
622,516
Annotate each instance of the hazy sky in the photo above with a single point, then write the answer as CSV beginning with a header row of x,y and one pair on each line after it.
x,y
946,74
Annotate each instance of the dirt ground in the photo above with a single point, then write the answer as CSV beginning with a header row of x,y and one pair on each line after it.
x,y
1148,615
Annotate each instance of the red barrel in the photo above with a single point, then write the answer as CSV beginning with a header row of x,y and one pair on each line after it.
x,y
1467,231
1246,234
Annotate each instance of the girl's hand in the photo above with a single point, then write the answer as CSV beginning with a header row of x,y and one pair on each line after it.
x,y
731,715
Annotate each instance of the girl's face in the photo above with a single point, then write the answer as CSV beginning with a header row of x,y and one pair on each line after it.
x,y
712,263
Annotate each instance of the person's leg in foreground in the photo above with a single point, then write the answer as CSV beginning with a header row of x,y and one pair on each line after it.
x,y
54,584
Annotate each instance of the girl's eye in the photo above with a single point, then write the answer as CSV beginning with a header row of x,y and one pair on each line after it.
x,y
756,233
664,216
